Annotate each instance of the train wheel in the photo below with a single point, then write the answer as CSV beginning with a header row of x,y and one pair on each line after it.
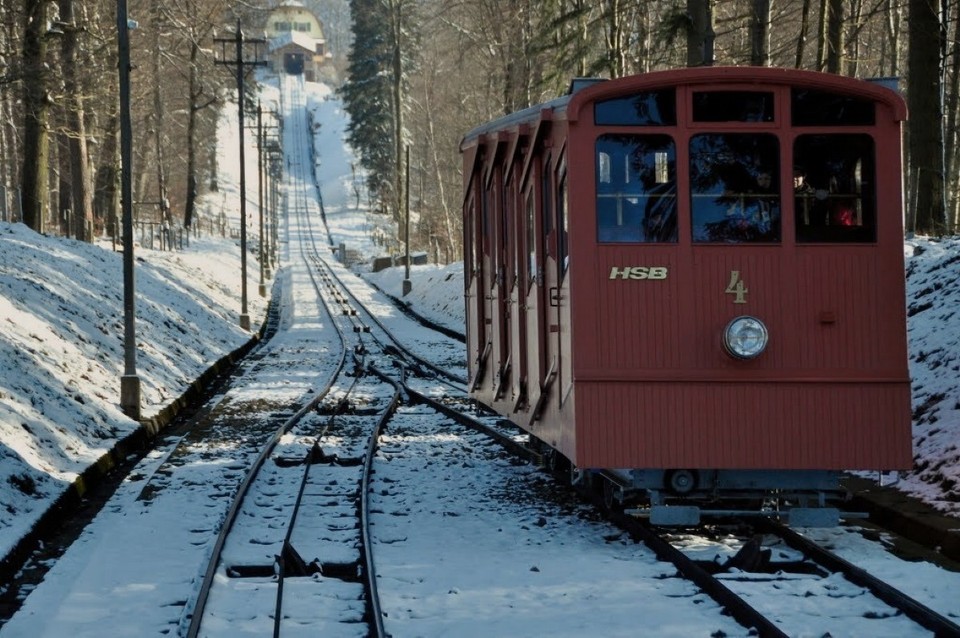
x,y
608,494
551,460
681,482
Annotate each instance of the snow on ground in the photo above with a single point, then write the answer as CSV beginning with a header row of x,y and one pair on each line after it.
x,y
61,345
933,331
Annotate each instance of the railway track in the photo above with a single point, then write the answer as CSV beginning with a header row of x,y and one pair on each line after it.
x,y
304,499
764,585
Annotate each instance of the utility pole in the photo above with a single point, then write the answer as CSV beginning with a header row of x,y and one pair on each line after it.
x,y
263,283
240,63
262,148
407,284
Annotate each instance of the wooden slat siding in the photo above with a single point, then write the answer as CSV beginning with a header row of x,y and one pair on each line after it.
x,y
662,425
867,334
630,316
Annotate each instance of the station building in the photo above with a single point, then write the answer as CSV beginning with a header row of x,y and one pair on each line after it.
x,y
296,44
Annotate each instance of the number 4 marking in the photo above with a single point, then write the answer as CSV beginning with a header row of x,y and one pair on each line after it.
x,y
737,288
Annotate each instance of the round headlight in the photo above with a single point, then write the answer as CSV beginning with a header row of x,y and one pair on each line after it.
x,y
745,337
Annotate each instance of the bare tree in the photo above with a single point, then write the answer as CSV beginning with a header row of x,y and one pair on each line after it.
x,y
804,30
36,105
833,40
80,190
700,40
759,33
926,133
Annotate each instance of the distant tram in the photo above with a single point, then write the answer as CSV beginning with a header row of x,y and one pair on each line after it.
x,y
688,287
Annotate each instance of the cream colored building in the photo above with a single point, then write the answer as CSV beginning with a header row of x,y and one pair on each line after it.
x,y
296,42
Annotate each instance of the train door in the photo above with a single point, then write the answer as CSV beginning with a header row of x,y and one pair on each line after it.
x,y
518,287
549,272
486,283
562,301
533,293
501,214
473,294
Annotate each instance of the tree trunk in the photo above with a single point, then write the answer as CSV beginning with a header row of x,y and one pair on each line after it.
x,y
760,34
926,121
834,43
158,119
615,39
192,109
36,102
396,15
892,24
62,176
701,35
804,30
81,198
952,100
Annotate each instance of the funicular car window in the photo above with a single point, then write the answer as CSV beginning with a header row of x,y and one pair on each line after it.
x,y
636,188
563,246
734,187
733,106
530,239
822,108
488,251
647,108
834,188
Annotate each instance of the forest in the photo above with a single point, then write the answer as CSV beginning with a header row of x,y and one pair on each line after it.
x,y
414,76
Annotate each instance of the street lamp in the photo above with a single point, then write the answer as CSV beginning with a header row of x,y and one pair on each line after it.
x,y
129,382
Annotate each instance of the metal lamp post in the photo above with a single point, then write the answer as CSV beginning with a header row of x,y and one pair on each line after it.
x,y
129,382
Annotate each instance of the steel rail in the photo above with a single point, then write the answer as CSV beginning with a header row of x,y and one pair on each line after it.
x,y
440,372
739,609
929,619
214,563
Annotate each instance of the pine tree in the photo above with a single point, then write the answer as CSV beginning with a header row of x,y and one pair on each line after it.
x,y
367,97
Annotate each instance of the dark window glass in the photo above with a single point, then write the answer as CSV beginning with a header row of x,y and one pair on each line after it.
x,y
649,108
531,241
485,221
834,188
488,247
546,215
820,108
468,241
734,188
636,188
562,240
509,266
733,106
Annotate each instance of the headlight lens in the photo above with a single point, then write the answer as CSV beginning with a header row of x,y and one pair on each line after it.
x,y
745,337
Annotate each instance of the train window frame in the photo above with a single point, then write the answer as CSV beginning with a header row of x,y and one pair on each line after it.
x,y
835,198
818,107
637,188
470,233
546,206
506,214
717,106
563,221
490,218
531,238
654,107
743,209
